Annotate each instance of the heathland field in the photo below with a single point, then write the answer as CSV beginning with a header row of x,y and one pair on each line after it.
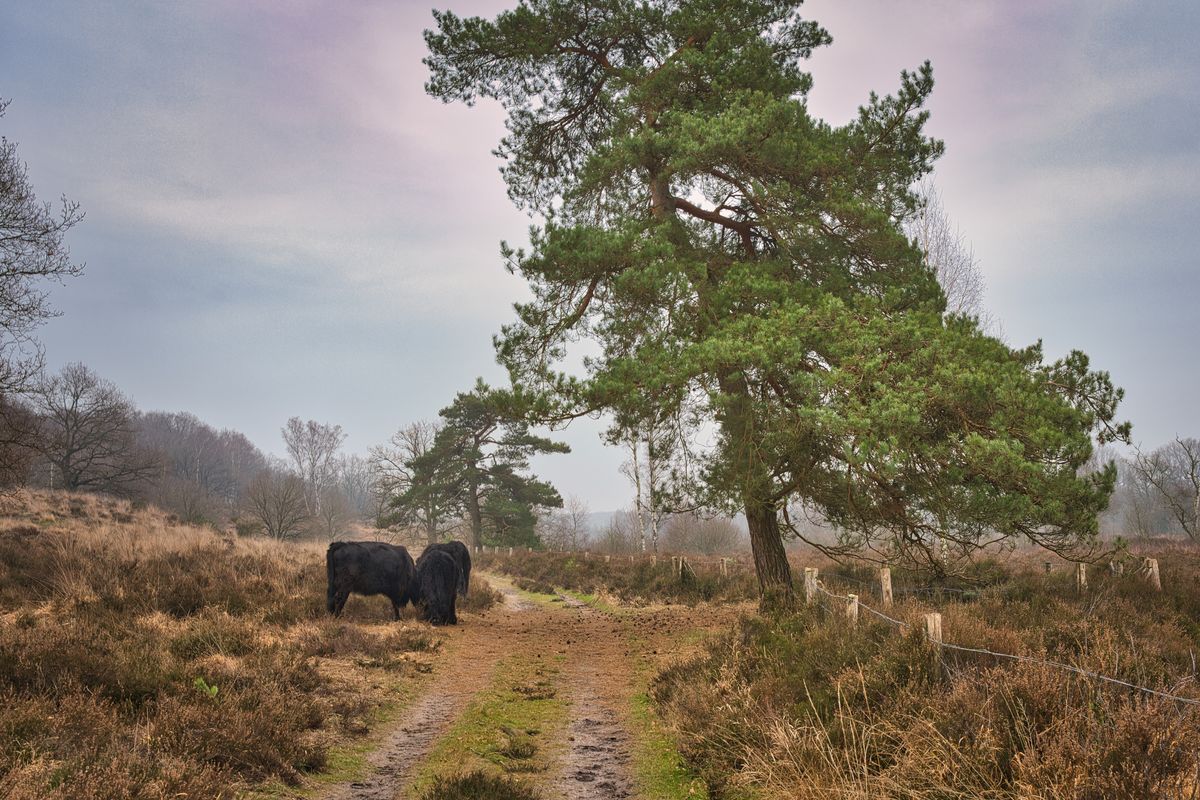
x,y
143,658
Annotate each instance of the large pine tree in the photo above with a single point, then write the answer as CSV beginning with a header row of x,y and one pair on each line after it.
x,y
741,267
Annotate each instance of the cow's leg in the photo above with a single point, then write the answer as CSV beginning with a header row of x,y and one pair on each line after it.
x,y
340,603
395,609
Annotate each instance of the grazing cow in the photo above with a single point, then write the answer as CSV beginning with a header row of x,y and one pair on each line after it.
x,y
435,584
368,568
458,551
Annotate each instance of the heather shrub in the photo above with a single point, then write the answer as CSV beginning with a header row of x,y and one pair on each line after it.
x,y
150,660
804,705
638,582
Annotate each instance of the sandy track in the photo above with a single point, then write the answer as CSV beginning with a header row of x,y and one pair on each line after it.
x,y
466,665
406,747
595,749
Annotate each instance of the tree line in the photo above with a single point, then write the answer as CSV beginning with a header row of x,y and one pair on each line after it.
x,y
468,473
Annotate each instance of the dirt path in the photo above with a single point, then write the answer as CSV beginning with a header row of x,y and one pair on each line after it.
x,y
467,663
592,755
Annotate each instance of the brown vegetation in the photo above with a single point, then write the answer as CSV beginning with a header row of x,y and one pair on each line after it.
x,y
804,705
144,658
639,581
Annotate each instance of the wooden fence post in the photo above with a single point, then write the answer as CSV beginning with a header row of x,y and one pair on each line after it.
x,y
607,559
885,586
1047,566
810,585
724,567
1152,570
1081,577
654,560
933,627
852,608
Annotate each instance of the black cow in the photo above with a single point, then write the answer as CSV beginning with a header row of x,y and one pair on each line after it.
x,y
368,568
462,556
434,587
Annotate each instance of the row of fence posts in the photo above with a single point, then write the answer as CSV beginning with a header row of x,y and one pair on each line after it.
x,y
678,563
1149,567
933,620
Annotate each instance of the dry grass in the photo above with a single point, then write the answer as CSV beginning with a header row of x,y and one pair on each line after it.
x,y
639,582
803,706
144,658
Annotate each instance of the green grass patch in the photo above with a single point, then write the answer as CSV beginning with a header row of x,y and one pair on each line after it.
x,y
659,769
503,732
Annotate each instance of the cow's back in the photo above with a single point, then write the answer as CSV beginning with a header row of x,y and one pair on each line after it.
x,y
369,567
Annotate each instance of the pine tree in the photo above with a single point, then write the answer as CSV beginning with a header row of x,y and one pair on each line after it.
x,y
479,461
741,264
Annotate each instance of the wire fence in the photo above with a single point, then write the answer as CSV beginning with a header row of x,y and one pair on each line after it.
x,y
901,625
728,565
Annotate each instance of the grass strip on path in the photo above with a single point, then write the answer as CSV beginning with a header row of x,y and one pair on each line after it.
x,y
505,729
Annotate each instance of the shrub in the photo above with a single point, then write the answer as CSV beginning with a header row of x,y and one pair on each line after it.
x,y
638,582
800,705
480,596
475,785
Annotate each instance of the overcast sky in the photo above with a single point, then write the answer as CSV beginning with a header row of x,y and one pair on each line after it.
x,y
280,223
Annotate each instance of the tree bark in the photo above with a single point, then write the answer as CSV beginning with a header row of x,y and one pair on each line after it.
x,y
770,558
762,511
476,518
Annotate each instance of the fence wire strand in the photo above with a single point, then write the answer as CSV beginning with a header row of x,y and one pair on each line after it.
x,y
1024,659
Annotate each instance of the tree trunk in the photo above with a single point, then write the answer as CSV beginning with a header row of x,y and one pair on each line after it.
x,y
762,512
476,518
770,559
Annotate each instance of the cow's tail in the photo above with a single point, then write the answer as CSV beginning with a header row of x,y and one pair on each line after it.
x,y
331,592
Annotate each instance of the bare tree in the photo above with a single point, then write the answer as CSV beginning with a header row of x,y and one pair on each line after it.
x,y
947,251
276,498
356,480
313,448
575,513
32,252
648,470
403,500
566,528
691,533
1173,470
203,470
334,514
392,460
18,429
87,433
621,535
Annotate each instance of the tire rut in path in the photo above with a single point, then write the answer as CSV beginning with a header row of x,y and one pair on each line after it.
x,y
597,762
598,759
392,764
